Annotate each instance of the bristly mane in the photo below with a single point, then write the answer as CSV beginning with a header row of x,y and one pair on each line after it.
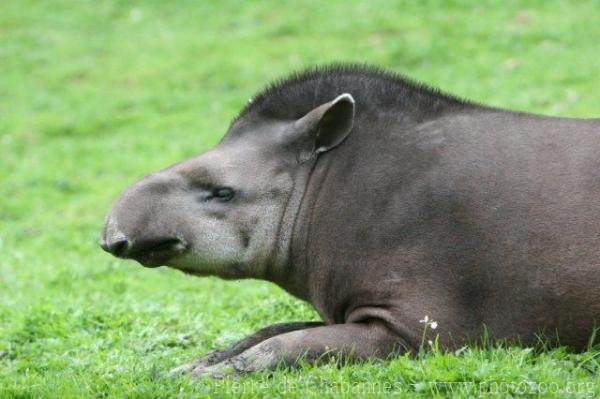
x,y
372,88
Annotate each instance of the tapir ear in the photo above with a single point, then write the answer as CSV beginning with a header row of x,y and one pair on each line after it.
x,y
325,127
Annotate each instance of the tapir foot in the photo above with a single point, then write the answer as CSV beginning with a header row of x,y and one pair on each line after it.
x,y
215,357
352,341
209,359
264,356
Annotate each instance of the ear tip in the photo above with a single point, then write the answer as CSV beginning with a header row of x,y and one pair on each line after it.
x,y
344,97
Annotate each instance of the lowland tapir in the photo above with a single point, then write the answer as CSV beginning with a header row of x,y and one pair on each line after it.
x,y
391,208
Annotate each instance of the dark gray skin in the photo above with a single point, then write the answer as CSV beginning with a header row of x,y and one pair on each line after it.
x,y
380,201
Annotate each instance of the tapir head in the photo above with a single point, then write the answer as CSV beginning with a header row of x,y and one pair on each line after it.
x,y
220,213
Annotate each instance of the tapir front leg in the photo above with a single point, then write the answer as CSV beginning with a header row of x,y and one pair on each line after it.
x,y
353,341
217,356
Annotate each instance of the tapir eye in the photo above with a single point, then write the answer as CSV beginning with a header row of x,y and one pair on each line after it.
x,y
223,194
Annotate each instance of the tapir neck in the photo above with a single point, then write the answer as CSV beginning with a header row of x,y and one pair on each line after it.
x,y
284,269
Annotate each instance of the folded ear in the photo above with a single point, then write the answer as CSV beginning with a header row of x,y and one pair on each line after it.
x,y
324,128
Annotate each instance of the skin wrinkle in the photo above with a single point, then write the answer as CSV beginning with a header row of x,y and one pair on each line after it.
x,y
325,173
292,266
269,272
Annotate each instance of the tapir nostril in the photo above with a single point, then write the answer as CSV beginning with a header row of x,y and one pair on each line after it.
x,y
117,248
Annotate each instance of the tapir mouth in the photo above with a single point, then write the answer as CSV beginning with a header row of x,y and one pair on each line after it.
x,y
160,254
153,260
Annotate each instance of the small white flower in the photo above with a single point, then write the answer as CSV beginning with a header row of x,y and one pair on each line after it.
x,y
430,342
433,325
425,320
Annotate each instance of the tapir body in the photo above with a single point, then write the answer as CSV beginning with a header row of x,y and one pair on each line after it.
x,y
387,206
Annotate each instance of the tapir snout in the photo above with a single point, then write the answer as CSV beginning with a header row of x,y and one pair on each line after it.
x,y
136,226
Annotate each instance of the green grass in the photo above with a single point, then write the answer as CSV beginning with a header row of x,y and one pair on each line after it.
x,y
94,94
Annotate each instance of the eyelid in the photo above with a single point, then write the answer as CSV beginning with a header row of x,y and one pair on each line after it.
x,y
219,189
223,197
212,193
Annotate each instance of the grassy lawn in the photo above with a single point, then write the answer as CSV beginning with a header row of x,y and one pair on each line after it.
x,y
94,94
